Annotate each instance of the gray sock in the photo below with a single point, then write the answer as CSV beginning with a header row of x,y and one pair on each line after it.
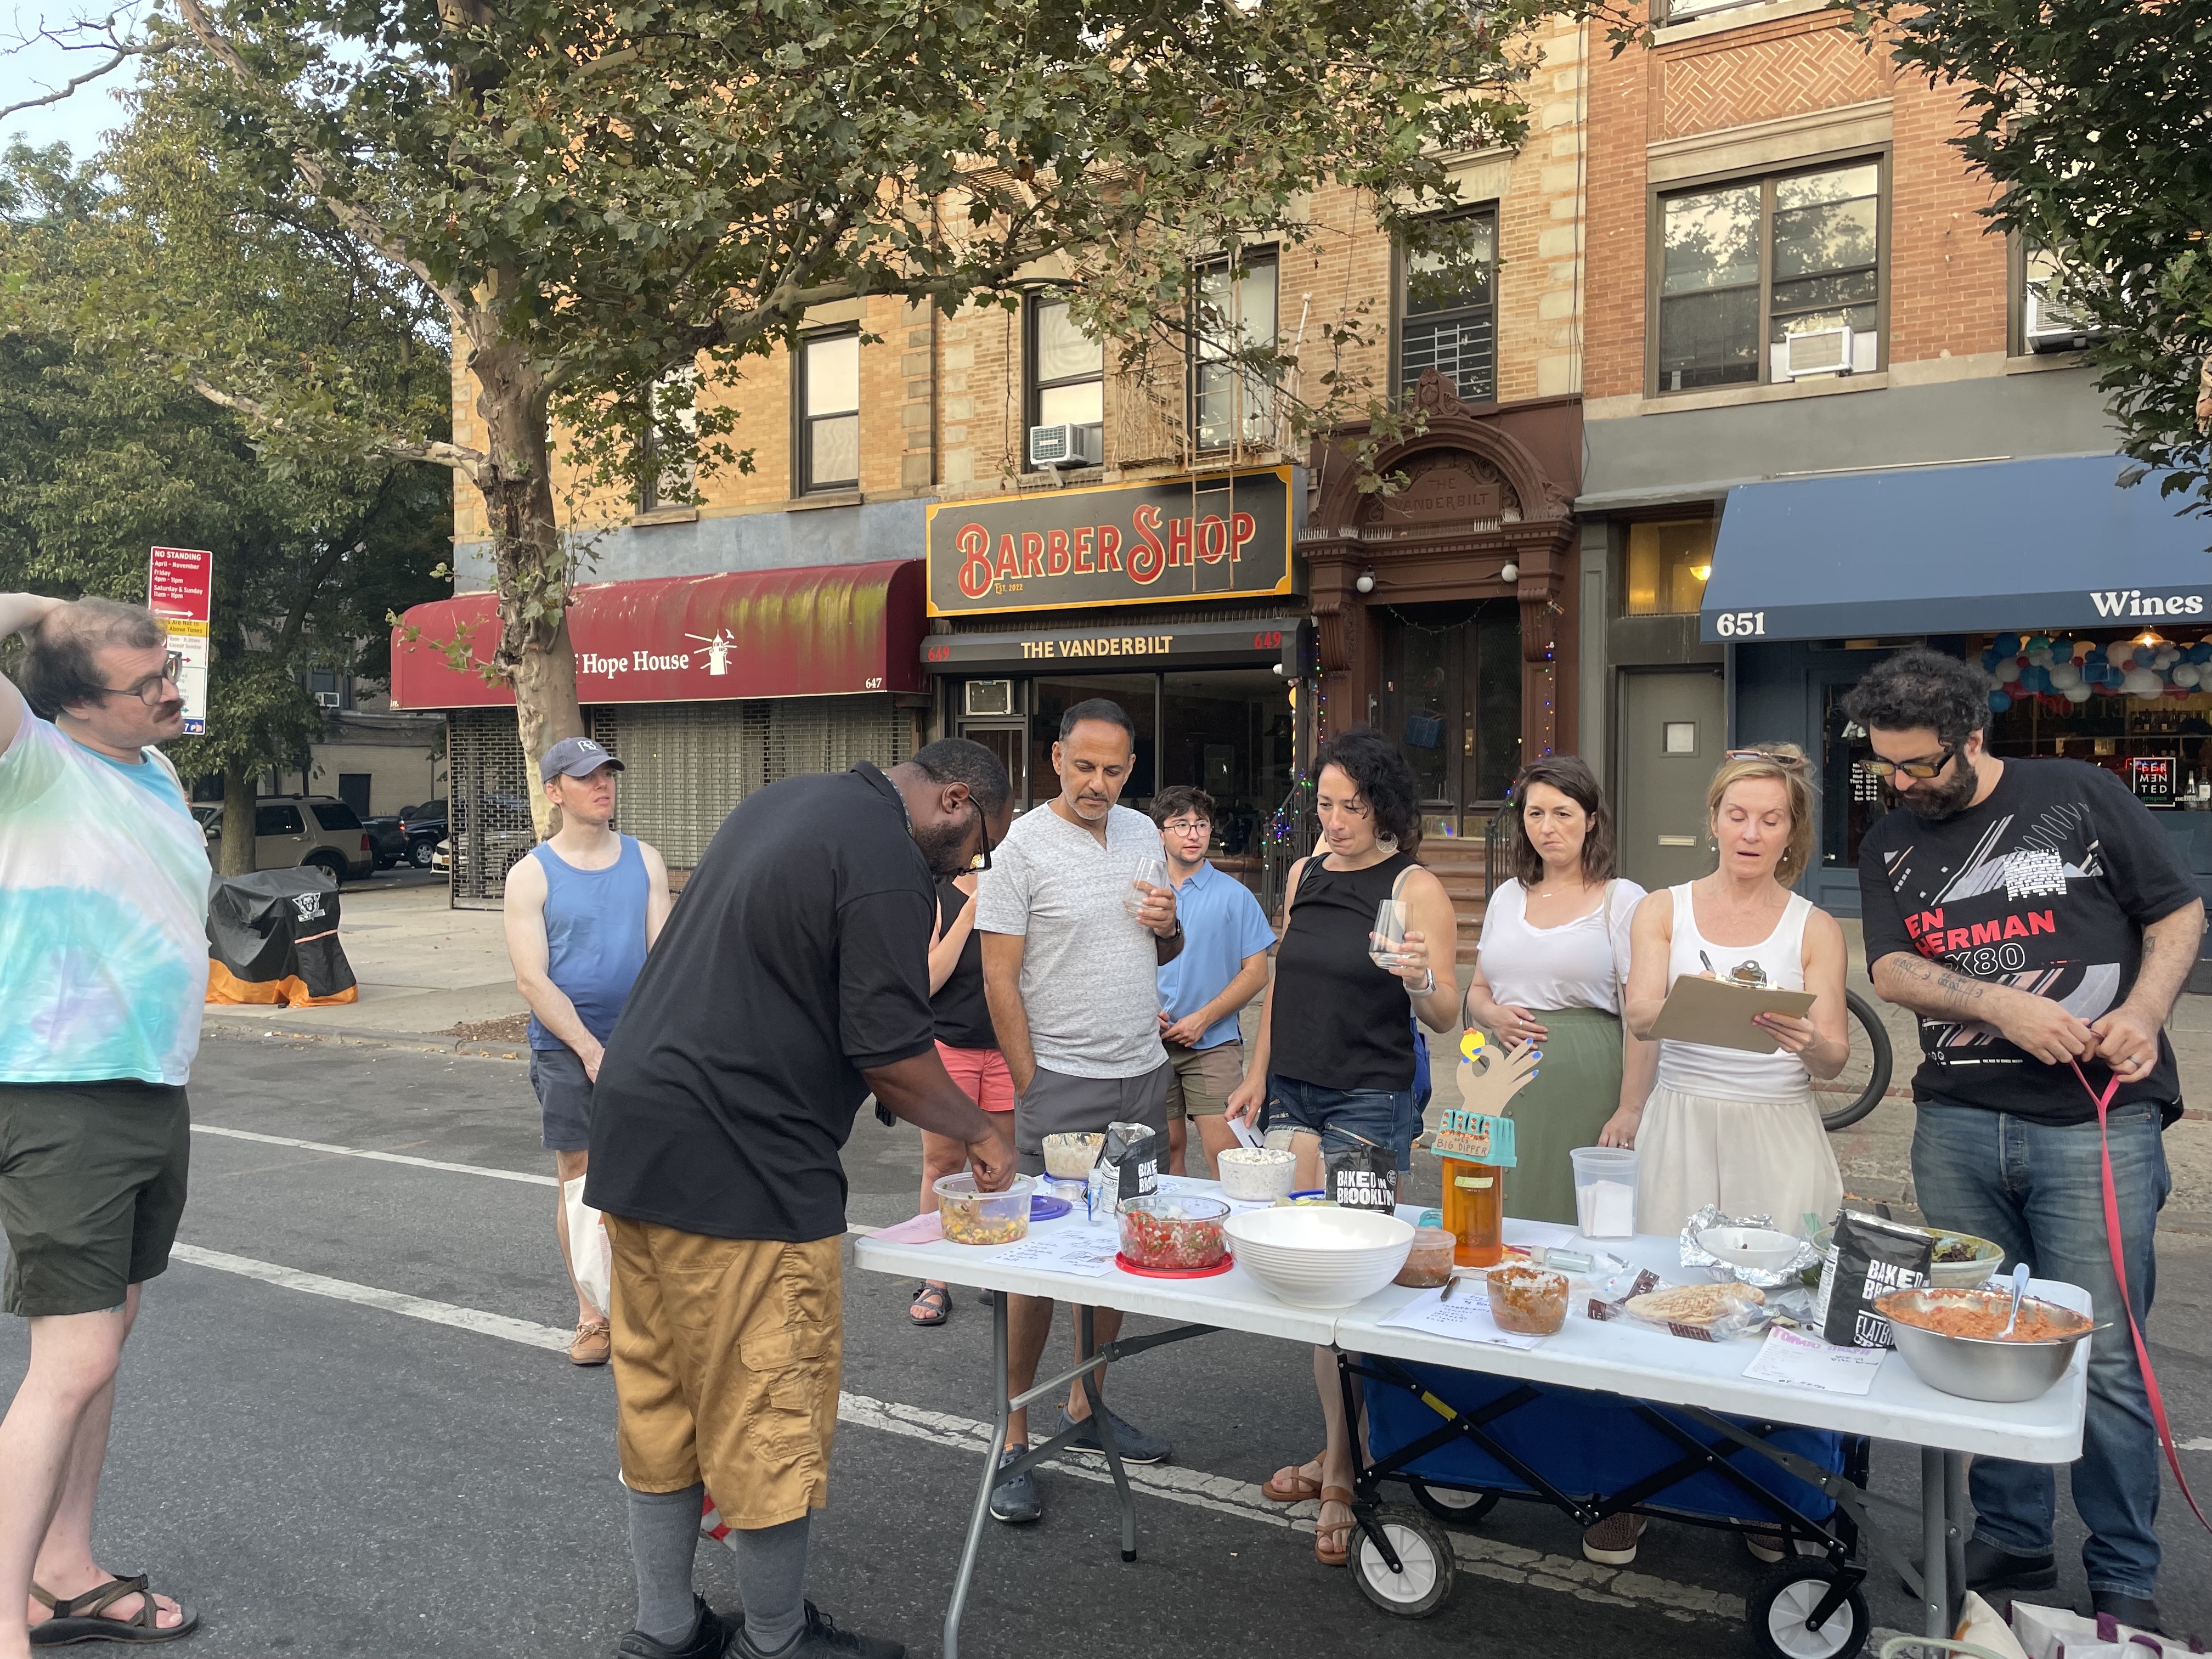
x,y
664,1534
772,1583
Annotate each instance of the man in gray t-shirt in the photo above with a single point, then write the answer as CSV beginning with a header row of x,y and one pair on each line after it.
x,y
1073,979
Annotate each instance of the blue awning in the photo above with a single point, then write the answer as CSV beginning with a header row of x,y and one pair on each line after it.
x,y
2005,546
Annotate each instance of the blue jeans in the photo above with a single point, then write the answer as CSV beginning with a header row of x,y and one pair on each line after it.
x,y
2036,1190
1345,1118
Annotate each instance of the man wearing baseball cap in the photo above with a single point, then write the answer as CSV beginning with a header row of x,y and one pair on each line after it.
x,y
582,909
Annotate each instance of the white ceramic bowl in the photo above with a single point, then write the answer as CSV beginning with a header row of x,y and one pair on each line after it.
x,y
1321,1257
1761,1249
1254,1173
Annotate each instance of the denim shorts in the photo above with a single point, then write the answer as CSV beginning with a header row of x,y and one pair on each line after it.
x,y
564,1098
1345,1118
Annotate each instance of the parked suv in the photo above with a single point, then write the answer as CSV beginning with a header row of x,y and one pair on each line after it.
x,y
424,826
289,829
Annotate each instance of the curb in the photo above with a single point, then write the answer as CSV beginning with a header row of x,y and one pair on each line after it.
x,y
436,1043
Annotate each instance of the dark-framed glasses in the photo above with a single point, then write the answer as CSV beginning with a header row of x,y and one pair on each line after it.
x,y
1188,826
1921,769
149,689
982,859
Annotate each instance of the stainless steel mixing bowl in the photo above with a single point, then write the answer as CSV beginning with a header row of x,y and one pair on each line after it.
x,y
1977,1368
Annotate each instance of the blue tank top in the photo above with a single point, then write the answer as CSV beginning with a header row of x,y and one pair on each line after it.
x,y
594,935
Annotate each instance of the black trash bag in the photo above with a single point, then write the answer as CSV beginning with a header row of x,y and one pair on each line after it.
x,y
273,938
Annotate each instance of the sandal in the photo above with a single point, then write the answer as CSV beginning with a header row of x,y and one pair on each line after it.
x,y
83,1617
1296,1490
1342,1553
930,1305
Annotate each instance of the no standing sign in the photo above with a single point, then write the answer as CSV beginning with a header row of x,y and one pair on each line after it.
x,y
179,582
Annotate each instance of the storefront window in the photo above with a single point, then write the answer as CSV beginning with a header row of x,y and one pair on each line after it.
x,y
1230,734
1140,697
1853,794
1667,565
2139,705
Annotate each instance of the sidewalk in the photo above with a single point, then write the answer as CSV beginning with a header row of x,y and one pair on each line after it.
x,y
425,971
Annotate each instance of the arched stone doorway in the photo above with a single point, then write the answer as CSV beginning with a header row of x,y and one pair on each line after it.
x,y
1469,668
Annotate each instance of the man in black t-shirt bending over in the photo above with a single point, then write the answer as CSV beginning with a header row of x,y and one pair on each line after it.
x,y
791,981
2033,914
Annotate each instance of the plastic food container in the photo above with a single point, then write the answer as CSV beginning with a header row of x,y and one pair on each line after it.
x,y
1527,1301
1256,1173
970,1216
1072,1156
1429,1263
1605,1192
1174,1233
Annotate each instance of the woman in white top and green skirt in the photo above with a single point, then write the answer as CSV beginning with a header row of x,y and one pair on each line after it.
x,y
1553,965
1725,1126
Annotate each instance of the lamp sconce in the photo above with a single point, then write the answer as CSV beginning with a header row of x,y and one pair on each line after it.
x,y
1510,573
1366,582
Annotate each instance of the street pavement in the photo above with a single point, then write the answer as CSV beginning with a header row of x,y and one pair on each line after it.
x,y
345,1427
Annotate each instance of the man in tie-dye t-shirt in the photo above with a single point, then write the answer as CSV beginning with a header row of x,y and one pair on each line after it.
x,y
103,967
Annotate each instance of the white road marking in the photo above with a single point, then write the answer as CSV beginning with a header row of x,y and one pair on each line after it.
x,y
523,1175
1195,1488
2202,1443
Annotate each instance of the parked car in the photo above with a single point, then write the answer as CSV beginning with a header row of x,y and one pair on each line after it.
x,y
424,826
507,833
386,838
300,829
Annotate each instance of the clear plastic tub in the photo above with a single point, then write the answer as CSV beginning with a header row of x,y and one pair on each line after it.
x,y
1069,1157
970,1216
1605,1192
1527,1301
1177,1234
1429,1263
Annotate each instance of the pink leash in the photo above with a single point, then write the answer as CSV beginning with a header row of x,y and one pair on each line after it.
x,y
2120,1273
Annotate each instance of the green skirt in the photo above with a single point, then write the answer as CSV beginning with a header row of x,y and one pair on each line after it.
x,y
1577,1088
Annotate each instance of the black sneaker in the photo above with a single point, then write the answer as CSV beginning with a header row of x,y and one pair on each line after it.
x,y
1133,1442
1989,1568
1015,1501
709,1639
2138,1611
820,1639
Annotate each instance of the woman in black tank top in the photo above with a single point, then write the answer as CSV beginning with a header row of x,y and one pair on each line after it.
x,y
1333,1065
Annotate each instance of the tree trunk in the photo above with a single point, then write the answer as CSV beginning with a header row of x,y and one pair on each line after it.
x,y
532,566
238,815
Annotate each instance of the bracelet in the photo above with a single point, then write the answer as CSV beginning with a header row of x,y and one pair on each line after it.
x,y
1428,990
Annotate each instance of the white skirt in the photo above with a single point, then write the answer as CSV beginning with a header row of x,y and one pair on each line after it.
x,y
1750,1157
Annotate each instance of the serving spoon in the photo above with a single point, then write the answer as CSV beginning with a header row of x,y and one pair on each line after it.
x,y
2020,1277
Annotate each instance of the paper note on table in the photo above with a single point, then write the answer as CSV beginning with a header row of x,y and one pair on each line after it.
x,y
1085,1252
1465,1318
1805,1362
1551,1235
918,1230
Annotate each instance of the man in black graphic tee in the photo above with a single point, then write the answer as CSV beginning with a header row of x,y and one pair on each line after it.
x,y
2033,914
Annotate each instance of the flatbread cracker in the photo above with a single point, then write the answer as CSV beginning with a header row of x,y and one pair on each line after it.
x,y
1694,1304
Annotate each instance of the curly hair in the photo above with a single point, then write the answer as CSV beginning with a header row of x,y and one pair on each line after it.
x,y
1922,688
1571,776
1386,783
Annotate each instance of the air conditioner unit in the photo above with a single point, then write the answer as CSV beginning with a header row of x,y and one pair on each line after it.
x,y
328,699
1066,445
2047,323
988,697
1817,351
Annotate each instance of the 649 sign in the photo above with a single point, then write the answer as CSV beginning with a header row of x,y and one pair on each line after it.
x,y
1178,539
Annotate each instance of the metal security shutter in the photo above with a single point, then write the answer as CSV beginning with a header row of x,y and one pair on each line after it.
x,y
686,765
489,826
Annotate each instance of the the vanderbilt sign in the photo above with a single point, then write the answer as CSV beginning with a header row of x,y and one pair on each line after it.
x,y
1215,537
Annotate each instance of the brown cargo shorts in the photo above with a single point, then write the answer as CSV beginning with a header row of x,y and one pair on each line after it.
x,y
1204,1079
726,1362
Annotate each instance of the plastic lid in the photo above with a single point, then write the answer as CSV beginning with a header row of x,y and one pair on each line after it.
x,y
1432,1238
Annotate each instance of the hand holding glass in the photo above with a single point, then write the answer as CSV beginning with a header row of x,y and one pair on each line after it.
x,y
1151,872
1386,946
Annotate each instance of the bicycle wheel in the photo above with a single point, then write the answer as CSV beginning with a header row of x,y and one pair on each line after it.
x,y
1858,1089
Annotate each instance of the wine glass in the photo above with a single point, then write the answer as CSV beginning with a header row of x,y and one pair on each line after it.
x,y
1386,944
1153,870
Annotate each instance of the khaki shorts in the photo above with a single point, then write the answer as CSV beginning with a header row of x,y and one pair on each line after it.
x,y
726,1362
1204,1079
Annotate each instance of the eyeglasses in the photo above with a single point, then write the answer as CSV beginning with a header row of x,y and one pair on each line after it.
x,y
1187,826
1922,769
1768,756
148,691
982,859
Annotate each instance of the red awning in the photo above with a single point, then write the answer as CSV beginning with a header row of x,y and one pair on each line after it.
x,y
821,630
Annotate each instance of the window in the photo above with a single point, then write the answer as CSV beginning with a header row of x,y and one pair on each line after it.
x,y
1667,565
1068,368
277,821
335,815
330,689
1747,264
660,486
829,412
1233,402
1680,11
2049,319
1449,323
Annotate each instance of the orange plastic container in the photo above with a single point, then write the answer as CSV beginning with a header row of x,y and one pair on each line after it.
x,y
1474,1211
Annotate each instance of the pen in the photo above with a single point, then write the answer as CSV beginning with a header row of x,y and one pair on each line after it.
x,y
1450,1284
1707,960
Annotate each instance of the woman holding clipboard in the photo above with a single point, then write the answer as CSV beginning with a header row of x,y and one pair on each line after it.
x,y
1727,1126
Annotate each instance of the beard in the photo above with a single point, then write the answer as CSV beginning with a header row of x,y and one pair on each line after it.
x,y
1945,800
944,846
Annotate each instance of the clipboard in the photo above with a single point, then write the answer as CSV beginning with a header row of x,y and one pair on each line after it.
x,y
1719,1015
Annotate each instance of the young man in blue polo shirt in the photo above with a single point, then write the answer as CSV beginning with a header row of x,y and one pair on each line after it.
x,y
1223,966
